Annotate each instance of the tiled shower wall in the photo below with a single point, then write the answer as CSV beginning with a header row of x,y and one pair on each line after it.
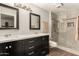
x,y
54,27
67,34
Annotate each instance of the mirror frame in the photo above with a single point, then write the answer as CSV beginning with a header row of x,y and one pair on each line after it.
x,y
32,20
17,15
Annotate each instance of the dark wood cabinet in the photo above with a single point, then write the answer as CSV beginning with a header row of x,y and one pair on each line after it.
x,y
18,48
38,46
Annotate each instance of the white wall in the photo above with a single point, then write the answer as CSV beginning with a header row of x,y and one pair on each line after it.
x,y
24,21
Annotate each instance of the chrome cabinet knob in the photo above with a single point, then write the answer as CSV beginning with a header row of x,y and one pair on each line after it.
x,y
6,47
10,46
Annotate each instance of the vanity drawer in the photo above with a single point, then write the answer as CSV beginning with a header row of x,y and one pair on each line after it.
x,y
31,53
33,42
34,52
37,52
32,47
44,51
45,40
29,48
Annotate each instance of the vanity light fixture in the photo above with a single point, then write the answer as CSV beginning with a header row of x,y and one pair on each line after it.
x,y
22,7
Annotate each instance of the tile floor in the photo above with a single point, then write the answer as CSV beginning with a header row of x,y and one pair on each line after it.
x,y
59,52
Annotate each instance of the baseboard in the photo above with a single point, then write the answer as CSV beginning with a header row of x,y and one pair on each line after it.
x,y
52,45
69,50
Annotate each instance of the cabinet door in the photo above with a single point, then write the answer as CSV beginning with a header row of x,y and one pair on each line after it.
x,y
18,48
4,49
45,41
45,45
10,48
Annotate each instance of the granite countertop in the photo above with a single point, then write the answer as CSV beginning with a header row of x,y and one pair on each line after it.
x,y
20,37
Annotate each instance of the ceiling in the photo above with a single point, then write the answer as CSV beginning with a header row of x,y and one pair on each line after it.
x,y
53,6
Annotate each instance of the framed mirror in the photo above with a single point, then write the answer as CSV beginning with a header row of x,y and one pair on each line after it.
x,y
9,17
34,21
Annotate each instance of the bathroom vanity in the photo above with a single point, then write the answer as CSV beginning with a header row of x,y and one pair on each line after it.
x,y
25,45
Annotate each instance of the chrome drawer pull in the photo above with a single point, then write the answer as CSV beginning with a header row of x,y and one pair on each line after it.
x,y
31,47
31,53
31,41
